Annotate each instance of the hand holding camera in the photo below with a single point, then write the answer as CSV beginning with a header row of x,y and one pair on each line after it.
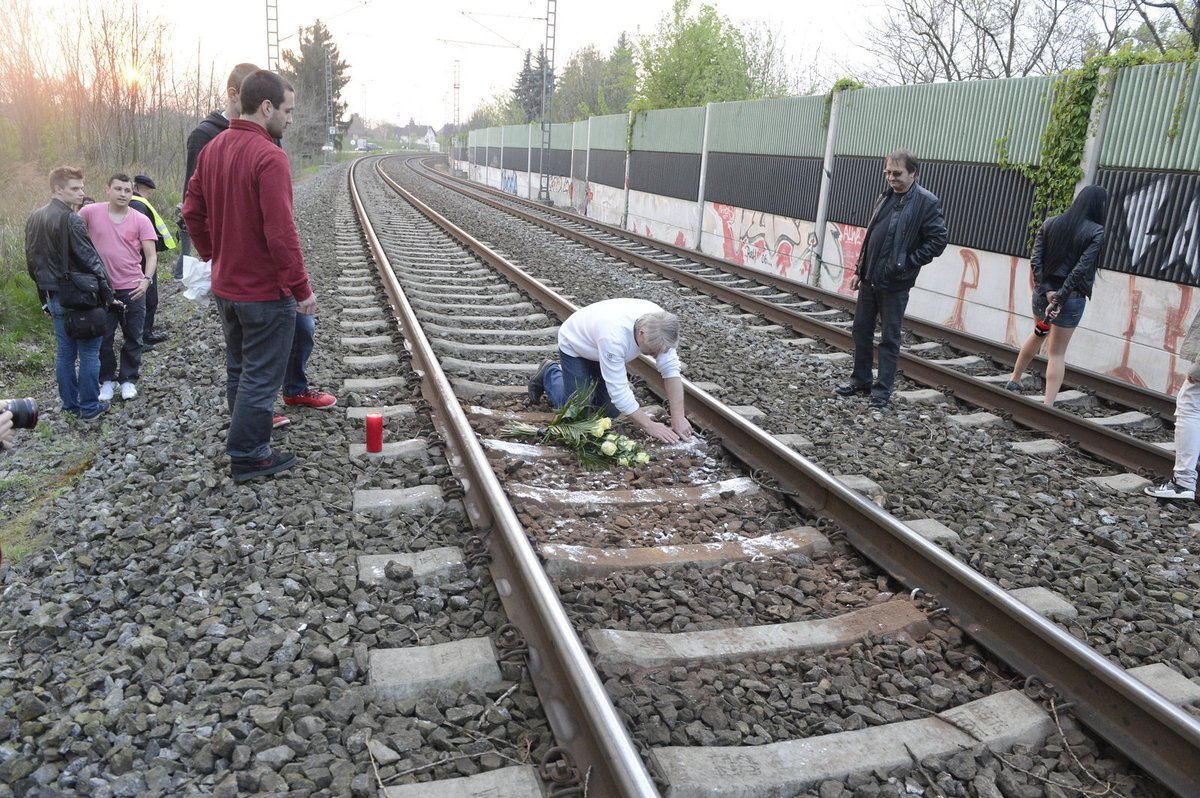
x,y
16,414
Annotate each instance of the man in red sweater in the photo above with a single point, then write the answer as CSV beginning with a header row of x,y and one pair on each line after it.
x,y
238,211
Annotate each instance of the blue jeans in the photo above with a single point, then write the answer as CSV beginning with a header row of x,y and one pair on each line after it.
x,y
295,381
1069,315
563,380
78,390
888,307
258,337
131,322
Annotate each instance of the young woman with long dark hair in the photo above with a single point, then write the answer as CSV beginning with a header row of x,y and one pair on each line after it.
x,y
1064,260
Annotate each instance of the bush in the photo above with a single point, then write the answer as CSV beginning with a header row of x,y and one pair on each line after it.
x,y
26,333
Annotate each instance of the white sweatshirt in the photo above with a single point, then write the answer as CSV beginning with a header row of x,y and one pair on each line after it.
x,y
603,332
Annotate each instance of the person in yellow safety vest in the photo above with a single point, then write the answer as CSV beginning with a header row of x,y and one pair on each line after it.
x,y
143,188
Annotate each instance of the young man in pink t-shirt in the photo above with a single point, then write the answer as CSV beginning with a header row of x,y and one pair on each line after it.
x,y
122,237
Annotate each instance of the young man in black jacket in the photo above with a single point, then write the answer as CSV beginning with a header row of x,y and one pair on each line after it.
x,y
209,128
56,241
296,390
906,231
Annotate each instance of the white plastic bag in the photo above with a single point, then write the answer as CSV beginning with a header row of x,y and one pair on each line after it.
x,y
197,279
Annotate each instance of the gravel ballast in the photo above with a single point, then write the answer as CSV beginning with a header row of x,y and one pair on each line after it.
x,y
180,635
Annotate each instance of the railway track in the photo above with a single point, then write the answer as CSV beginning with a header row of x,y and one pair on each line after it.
x,y
1113,420
728,599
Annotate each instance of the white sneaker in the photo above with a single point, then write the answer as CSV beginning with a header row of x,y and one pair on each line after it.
x,y
1171,490
106,390
128,391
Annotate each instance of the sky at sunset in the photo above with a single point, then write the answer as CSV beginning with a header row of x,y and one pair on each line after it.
x,y
413,77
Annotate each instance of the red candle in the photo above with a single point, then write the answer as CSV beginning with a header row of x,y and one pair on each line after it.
x,y
374,432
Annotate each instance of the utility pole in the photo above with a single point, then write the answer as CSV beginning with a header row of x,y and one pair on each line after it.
x,y
273,35
457,87
547,72
330,124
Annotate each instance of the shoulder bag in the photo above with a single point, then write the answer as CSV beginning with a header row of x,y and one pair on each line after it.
x,y
83,324
76,290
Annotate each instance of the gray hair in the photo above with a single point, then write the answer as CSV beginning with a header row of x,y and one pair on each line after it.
x,y
660,330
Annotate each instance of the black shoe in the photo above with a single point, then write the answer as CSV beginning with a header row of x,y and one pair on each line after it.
x,y
852,389
879,401
95,417
272,464
154,338
537,383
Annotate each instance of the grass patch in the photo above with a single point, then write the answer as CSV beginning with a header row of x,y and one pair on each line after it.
x,y
27,345
17,537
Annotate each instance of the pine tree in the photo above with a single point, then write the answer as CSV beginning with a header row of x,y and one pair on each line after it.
x,y
306,72
527,92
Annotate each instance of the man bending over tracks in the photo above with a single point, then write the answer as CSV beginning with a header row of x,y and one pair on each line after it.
x,y
594,345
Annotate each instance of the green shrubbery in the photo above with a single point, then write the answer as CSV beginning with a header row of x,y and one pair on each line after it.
x,y
26,334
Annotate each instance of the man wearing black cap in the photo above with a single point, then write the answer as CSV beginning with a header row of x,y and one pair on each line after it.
x,y
143,189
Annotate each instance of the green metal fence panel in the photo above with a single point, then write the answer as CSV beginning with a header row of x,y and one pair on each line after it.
x,y
948,121
560,135
669,130
579,135
520,136
473,137
1154,119
609,132
789,126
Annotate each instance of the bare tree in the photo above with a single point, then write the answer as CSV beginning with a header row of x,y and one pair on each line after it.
x,y
22,74
771,72
1167,24
93,83
922,41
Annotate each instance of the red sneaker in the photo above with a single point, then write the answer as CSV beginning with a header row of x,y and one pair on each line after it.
x,y
311,398
280,421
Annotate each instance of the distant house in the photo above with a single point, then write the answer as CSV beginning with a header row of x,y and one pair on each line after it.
x,y
419,137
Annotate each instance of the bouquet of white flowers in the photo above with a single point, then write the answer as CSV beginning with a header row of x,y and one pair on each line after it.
x,y
586,431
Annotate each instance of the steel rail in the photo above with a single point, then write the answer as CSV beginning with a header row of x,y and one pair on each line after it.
x,y
581,714
1110,388
1138,721
1102,442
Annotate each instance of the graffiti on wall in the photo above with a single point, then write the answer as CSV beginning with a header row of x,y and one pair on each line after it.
x,y
579,198
764,241
847,241
1156,225
1176,328
989,294
967,283
508,181
662,218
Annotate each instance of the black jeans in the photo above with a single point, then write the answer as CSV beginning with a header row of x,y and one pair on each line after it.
x,y
258,338
888,307
151,306
131,348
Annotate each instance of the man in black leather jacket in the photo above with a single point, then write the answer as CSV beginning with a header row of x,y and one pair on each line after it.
x,y
56,240
906,231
